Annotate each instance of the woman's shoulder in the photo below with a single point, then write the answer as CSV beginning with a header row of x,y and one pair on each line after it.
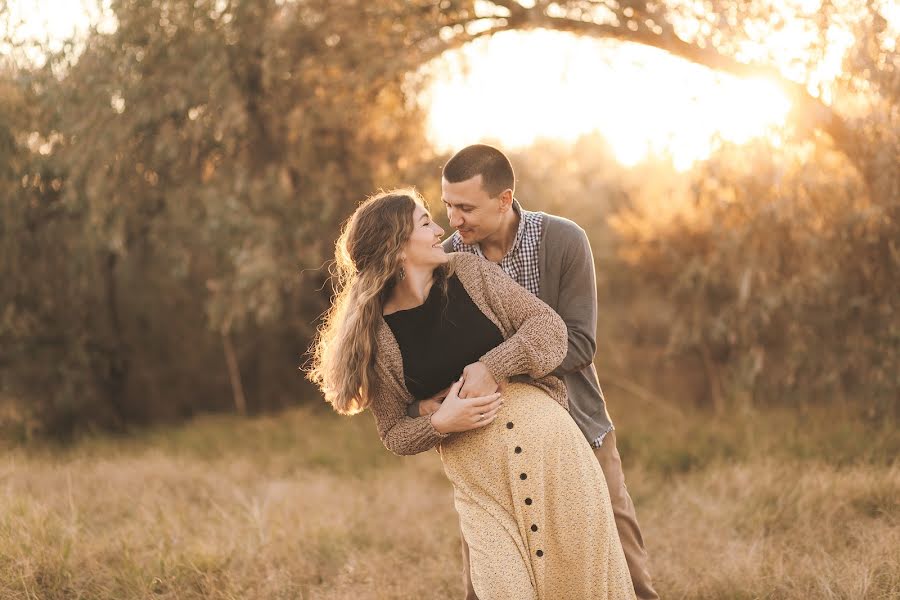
x,y
464,260
477,275
467,267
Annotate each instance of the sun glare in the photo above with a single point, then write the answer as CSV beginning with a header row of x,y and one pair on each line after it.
x,y
518,87
55,21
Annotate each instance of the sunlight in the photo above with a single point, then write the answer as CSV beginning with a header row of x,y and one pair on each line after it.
x,y
518,87
55,21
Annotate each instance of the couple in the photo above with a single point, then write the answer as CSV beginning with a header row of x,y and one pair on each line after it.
x,y
483,346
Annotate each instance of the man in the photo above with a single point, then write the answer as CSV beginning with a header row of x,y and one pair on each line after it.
x,y
551,257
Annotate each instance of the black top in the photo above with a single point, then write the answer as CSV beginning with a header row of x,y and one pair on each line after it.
x,y
436,343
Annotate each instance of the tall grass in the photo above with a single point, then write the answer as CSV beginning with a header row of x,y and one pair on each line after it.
x,y
309,505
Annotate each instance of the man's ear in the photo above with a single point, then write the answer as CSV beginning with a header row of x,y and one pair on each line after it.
x,y
506,199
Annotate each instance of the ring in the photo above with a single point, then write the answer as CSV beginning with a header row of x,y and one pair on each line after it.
x,y
480,416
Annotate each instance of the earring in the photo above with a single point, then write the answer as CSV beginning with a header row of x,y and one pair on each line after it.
x,y
402,274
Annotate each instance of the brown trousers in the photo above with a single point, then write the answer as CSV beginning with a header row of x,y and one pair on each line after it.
x,y
626,523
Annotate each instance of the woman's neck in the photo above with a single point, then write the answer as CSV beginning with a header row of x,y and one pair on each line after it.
x,y
411,291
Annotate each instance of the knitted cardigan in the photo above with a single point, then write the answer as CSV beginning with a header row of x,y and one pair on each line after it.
x,y
535,343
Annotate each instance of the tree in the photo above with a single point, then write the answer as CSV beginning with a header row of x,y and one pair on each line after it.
x,y
718,34
205,153
172,185
826,314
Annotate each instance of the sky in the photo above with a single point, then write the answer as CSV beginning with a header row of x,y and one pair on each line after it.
x,y
516,88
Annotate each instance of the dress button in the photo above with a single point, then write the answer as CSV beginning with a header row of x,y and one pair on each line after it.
x,y
528,501
534,527
509,425
518,450
523,476
540,552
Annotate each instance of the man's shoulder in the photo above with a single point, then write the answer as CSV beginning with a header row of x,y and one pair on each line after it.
x,y
559,228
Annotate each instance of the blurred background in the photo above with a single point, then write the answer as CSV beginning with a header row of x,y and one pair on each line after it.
x,y
173,175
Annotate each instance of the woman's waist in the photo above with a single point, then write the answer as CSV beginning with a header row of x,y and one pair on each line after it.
x,y
526,398
550,385
527,412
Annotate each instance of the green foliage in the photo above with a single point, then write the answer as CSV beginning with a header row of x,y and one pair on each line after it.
x,y
781,277
171,187
780,272
181,182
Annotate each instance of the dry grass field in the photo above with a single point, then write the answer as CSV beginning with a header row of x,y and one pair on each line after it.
x,y
307,505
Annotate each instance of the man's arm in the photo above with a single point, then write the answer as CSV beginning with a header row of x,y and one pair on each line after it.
x,y
428,406
578,302
537,334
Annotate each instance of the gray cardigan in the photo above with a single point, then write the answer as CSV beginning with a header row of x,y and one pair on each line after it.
x,y
568,284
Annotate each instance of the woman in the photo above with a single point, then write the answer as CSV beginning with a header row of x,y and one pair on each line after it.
x,y
408,318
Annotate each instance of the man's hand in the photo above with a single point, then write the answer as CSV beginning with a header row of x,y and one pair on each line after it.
x,y
429,406
477,381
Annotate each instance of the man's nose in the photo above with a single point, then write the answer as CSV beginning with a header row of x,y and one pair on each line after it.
x,y
454,218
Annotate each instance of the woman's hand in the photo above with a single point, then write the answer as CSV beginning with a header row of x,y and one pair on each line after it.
x,y
462,414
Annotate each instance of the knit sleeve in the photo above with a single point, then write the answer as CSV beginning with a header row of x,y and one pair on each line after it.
x,y
400,433
537,343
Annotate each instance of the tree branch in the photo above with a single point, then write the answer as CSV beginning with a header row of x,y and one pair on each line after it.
x,y
809,110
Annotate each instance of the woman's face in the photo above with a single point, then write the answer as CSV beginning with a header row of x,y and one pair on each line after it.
x,y
423,249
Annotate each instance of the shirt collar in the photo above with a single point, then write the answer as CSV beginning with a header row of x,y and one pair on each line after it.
x,y
520,232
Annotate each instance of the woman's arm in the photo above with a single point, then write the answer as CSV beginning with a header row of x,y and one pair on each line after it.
x,y
404,435
400,433
539,342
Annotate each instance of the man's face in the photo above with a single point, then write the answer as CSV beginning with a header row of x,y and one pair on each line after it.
x,y
471,210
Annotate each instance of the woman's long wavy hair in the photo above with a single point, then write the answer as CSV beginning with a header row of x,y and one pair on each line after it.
x,y
367,264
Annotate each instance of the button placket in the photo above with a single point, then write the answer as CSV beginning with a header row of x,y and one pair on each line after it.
x,y
523,476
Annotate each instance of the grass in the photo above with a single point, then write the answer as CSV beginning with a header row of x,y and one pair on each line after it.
x,y
307,505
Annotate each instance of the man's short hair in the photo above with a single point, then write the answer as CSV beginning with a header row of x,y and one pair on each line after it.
x,y
480,159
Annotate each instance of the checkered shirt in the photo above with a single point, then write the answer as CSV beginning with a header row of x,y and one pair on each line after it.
x,y
521,262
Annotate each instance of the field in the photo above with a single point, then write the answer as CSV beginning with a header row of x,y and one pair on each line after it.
x,y
308,505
